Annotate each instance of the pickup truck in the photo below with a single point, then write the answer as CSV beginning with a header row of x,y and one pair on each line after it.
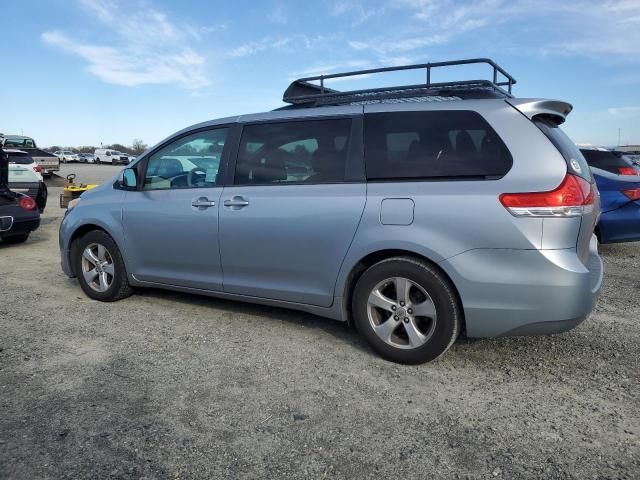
x,y
48,161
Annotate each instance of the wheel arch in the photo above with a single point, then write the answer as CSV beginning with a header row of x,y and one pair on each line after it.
x,y
81,231
377,256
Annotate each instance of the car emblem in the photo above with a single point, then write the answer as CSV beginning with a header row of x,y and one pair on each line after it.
x,y
576,166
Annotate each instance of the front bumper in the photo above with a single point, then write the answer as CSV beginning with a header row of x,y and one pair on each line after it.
x,y
525,292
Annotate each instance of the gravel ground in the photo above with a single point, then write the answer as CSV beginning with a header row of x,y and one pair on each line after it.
x,y
167,385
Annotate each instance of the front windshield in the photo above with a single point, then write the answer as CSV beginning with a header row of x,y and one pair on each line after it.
x,y
21,175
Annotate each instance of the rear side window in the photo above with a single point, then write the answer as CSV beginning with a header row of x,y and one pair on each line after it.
x,y
576,163
608,161
434,144
311,152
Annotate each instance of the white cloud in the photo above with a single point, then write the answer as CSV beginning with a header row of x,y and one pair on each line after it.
x,y
278,14
624,111
252,48
145,47
609,30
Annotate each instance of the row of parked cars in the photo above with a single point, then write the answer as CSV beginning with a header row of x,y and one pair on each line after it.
x,y
101,155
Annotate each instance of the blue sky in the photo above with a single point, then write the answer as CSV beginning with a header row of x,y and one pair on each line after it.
x,y
82,72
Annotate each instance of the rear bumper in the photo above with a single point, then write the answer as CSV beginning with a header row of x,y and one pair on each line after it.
x,y
621,225
20,227
525,292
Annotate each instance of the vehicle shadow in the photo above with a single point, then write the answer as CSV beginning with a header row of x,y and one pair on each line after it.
x,y
339,330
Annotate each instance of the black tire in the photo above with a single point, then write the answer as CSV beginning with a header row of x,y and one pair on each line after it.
x,y
447,325
113,162
119,287
15,239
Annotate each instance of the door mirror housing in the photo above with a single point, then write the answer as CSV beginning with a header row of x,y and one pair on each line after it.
x,y
129,179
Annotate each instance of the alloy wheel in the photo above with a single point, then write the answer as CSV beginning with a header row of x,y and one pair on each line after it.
x,y
98,267
401,313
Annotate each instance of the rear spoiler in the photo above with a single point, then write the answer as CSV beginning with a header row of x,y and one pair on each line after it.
x,y
532,107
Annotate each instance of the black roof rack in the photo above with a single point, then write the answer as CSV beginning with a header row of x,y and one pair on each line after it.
x,y
304,93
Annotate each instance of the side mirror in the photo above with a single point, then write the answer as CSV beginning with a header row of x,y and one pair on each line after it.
x,y
129,179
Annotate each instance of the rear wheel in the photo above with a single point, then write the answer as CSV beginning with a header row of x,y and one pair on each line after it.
x,y
100,268
406,310
14,239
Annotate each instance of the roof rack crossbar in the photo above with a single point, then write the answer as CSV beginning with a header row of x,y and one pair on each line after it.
x,y
302,91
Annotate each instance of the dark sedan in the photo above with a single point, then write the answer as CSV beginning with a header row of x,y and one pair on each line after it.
x,y
22,180
19,216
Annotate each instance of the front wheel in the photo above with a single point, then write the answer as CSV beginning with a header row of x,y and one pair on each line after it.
x,y
100,268
406,310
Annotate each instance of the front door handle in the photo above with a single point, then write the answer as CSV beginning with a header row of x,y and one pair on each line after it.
x,y
203,202
236,202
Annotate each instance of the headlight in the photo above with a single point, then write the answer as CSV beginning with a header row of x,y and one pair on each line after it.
x,y
72,204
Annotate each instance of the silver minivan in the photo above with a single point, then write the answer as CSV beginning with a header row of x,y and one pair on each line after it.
x,y
418,213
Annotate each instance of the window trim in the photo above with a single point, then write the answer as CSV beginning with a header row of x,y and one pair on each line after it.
x,y
440,178
354,161
141,165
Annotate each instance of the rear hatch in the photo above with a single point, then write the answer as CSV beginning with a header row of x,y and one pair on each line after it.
x,y
548,115
576,165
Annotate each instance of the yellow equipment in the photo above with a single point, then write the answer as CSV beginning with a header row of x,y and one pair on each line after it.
x,y
73,190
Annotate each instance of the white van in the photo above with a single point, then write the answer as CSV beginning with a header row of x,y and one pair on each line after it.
x,y
114,157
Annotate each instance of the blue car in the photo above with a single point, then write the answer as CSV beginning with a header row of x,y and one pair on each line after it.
x,y
618,181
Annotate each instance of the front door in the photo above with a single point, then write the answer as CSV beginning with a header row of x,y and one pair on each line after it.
x,y
287,221
171,223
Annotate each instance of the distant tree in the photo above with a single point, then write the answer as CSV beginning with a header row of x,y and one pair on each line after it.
x,y
138,146
120,148
86,149
55,148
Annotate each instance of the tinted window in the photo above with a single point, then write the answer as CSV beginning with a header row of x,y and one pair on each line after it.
x,y
20,158
603,160
293,152
432,145
189,162
19,142
565,146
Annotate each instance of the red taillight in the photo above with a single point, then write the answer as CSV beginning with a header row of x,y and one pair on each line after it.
x,y
568,200
27,203
633,194
37,169
627,171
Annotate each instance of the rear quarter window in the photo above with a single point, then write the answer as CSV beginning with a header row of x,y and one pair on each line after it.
x,y
451,144
576,162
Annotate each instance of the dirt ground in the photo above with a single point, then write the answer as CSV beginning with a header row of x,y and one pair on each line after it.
x,y
167,385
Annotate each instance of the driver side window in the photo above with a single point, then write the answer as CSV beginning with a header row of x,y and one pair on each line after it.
x,y
188,162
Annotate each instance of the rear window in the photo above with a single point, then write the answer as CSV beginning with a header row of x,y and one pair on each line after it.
x,y
435,144
20,158
604,160
19,142
576,163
